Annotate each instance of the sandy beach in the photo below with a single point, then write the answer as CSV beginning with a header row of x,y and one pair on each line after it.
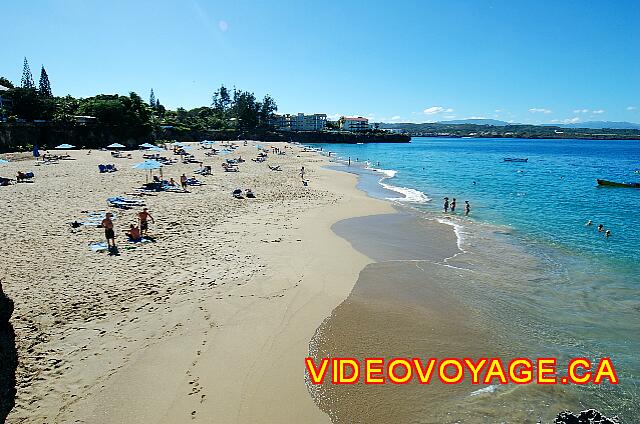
x,y
210,323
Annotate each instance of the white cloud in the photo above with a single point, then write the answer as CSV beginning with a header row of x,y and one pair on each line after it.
x,y
631,108
498,110
539,110
395,118
566,121
449,116
434,110
581,111
598,112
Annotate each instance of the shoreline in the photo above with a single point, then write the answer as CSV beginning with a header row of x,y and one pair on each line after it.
x,y
493,269
207,322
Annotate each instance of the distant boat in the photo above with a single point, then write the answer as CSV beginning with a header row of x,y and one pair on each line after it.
x,y
516,159
616,184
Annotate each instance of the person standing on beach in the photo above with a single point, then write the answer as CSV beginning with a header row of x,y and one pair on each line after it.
x,y
453,205
144,217
302,173
467,208
109,233
183,181
446,204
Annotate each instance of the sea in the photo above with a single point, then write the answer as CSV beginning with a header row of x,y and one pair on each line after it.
x,y
543,282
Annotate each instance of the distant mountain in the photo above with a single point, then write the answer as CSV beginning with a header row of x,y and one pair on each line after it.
x,y
478,121
596,125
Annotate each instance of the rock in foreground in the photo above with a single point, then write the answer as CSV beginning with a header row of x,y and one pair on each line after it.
x,y
590,416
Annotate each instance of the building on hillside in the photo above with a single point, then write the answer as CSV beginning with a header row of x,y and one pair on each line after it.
x,y
353,123
300,122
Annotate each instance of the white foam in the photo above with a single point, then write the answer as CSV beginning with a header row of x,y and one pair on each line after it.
x,y
457,229
388,173
410,195
489,389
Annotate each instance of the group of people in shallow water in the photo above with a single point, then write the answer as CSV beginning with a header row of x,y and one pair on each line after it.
x,y
601,229
451,206
135,233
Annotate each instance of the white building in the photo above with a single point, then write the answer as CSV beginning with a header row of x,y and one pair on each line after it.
x,y
300,122
354,123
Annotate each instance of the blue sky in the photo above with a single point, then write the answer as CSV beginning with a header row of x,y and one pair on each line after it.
x,y
420,61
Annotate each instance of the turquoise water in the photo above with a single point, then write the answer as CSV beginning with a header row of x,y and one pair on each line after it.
x,y
581,293
549,197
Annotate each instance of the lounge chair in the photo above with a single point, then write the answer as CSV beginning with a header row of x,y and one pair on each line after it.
x,y
124,203
205,170
154,186
5,181
194,182
275,168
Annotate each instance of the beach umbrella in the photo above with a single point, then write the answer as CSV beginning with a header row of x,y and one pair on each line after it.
x,y
36,152
155,149
148,165
178,144
147,145
207,142
64,146
116,146
2,161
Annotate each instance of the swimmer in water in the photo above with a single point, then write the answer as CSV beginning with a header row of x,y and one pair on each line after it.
x,y
600,228
607,233
589,222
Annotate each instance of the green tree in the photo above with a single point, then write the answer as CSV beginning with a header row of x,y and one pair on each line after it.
x,y
267,109
65,110
27,78
152,99
221,101
5,82
45,86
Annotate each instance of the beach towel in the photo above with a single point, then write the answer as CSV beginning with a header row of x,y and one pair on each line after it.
x,y
99,246
124,203
93,219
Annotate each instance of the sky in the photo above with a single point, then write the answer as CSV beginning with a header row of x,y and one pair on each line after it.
x,y
542,61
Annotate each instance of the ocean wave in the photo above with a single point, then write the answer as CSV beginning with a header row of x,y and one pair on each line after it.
x,y
457,229
489,389
410,195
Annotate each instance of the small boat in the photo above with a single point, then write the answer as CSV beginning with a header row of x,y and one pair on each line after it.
x,y
516,159
616,184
